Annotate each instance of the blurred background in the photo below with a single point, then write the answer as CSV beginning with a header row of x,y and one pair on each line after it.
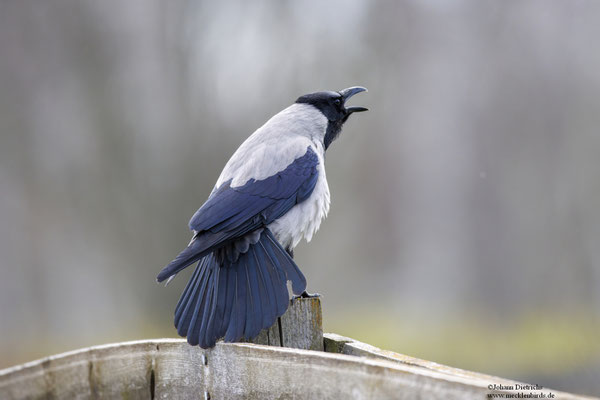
x,y
465,222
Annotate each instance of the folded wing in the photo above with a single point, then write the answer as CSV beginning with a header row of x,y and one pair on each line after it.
x,y
232,213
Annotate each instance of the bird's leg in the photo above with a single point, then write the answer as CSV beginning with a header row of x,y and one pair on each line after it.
x,y
305,294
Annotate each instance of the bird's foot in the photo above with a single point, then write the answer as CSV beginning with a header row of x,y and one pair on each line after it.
x,y
305,295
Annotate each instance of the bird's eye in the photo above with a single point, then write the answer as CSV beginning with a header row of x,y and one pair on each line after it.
x,y
337,102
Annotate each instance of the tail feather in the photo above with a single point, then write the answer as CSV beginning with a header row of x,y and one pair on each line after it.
x,y
195,322
185,315
238,314
237,299
269,312
270,287
188,256
277,277
209,308
254,300
230,288
186,293
217,311
292,272
200,246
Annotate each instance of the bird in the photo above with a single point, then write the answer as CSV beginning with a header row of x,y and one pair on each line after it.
x,y
271,193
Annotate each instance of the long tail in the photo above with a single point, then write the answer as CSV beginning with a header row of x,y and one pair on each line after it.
x,y
237,299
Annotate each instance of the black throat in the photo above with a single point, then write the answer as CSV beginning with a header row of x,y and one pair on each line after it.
x,y
331,105
333,130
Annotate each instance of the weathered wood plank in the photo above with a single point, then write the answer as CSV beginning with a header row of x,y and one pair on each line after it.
x,y
301,327
232,371
170,368
107,365
284,373
335,343
274,335
94,373
180,372
269,337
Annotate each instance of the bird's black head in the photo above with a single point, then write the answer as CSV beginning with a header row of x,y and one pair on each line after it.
x,y
332,105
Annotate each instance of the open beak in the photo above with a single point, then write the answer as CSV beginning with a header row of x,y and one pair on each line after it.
x,y
349,92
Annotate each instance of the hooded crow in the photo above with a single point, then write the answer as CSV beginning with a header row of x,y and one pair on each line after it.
x,y
272,193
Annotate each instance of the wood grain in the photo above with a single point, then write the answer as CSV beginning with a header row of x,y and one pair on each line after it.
x,y
172,369
301,327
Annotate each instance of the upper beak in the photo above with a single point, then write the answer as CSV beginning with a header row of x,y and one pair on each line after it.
x,y
349,92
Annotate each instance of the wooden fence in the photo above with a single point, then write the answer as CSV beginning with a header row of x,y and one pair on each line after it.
x,y
171,369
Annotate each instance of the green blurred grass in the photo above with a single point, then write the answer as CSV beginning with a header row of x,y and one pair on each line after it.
x,y
525,344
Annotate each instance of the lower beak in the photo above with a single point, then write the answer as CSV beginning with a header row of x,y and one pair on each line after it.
x,y
349,92
350,110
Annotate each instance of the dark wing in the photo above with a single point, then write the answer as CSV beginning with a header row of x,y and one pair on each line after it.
x,y
230,213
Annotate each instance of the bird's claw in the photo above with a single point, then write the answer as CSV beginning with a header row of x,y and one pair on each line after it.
x,y
305,295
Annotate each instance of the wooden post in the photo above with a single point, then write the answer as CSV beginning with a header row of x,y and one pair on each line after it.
x,y
301,327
